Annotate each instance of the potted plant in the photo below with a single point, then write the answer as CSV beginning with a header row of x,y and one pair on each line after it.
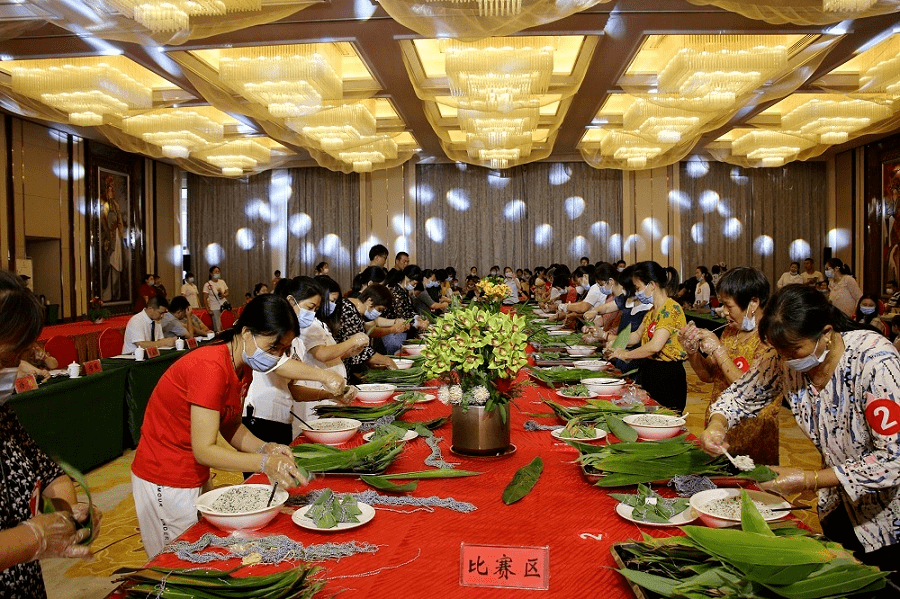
x,y
96,312
477,352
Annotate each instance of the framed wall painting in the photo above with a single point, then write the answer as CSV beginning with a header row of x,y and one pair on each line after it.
x,y
111,245
890,194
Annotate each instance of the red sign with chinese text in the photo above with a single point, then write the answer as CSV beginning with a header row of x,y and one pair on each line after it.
x,y
504,566
93,367
152,352
192,343
26,383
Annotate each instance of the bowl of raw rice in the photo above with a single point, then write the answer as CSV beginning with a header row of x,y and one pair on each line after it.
x,y
719,508
240,507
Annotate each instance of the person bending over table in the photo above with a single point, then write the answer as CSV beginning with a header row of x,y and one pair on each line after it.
x,y
197,398
632,315
352,316
661,374
26,534
181,309
144,329
843,386
268,408
744,292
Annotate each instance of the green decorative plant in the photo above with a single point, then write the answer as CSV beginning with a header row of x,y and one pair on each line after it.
x,y
96,311
477,351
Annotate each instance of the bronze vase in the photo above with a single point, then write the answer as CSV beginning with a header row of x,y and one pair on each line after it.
x,y
478,432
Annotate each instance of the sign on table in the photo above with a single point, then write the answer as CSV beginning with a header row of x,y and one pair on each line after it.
x,y
504,566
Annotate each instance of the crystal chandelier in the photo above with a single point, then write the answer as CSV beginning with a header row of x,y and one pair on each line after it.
x,y
515,122
717,69
769,148
335,128
497,158
234,157
847,5
87,89
882,73
290,80
363,157
662,124
491,8
832,121
631,150
175,15
178,132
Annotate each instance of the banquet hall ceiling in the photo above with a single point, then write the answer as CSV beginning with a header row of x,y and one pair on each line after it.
x,y
404,80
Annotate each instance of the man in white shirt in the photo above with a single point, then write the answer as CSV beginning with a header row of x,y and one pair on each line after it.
x,y
810,275
145,328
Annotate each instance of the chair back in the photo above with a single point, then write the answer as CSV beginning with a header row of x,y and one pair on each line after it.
x,y
206,319
62,349
227,319
110,343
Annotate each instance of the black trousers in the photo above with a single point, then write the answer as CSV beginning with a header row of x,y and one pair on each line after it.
x,y
666,382
837,527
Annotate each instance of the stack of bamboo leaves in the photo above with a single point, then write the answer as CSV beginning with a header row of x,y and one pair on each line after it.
x,y
754,562
369,458
603,414
296,583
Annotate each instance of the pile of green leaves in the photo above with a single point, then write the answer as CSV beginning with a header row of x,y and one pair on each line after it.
x,y
329,510
413,376
576,429
630,463
364,413
579,390
410,397
368,458
650,506
561,374
300,582
383,430
754,562
602,413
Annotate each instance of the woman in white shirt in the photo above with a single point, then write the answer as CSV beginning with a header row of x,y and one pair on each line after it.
x,y
215,294
190,291
844,291
701,296
791,277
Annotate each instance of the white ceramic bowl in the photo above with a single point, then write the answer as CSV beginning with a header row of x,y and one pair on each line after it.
x,y
580,350
590,364
332,431
672,427
604,386
250,520
700,500
414,349
374,392
402,363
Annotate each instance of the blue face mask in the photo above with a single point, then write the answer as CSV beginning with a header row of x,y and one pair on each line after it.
x,y
431,284
579,289
807,362
329,307
867,310
643,297
410,286
372,314
305,318
260,361
606,290
748,323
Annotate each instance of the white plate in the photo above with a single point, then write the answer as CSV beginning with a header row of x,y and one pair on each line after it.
x,y
676,520
603,382
59,372
560,333
428,397
124,357
567,396
598,434
167,348
300,519
409,436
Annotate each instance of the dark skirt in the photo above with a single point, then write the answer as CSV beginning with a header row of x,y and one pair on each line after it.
x,y
837,527
666,382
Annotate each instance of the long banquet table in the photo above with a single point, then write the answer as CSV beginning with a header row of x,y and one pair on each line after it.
x,y
419,550
84,334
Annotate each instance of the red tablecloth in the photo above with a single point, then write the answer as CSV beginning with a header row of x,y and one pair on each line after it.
x,y
84,333
419,553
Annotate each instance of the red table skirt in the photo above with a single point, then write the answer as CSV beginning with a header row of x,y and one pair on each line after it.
x,y
419,553
84,333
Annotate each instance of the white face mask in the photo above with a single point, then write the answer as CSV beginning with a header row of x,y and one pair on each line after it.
x,y
748,323
7,383
809,362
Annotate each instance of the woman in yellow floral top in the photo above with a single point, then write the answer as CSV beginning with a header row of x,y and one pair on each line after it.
x,y
662,373
743,292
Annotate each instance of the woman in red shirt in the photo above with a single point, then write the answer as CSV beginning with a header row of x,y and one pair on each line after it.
x,y
200,396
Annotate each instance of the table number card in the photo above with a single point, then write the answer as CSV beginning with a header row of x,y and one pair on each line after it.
x,y
93,367
192,343
152,352
26,383
504,566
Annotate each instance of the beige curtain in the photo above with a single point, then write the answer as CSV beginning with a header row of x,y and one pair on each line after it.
x,y
322,221
522,217
763,217
231,224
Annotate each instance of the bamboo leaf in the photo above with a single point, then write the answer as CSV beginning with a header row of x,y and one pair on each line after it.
x,y
621,430
621,340
523,481
438,473
78,477
651,582
383,484
756,549
844,578
751,519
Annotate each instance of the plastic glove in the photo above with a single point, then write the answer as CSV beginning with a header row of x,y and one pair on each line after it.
x,y
80,513
708,341
689,338
282,470
334,382
347,396
712,439
790,481
275,449
57,536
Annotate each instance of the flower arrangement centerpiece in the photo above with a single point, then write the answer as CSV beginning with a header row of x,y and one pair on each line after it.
x,y
478,352
492,291
96,312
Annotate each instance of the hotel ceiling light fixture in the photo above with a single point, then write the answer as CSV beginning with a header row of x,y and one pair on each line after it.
x,y
769,148
832,118
847,5
235,157
88,89
364,157
290,80
175,15
178,132
336,127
